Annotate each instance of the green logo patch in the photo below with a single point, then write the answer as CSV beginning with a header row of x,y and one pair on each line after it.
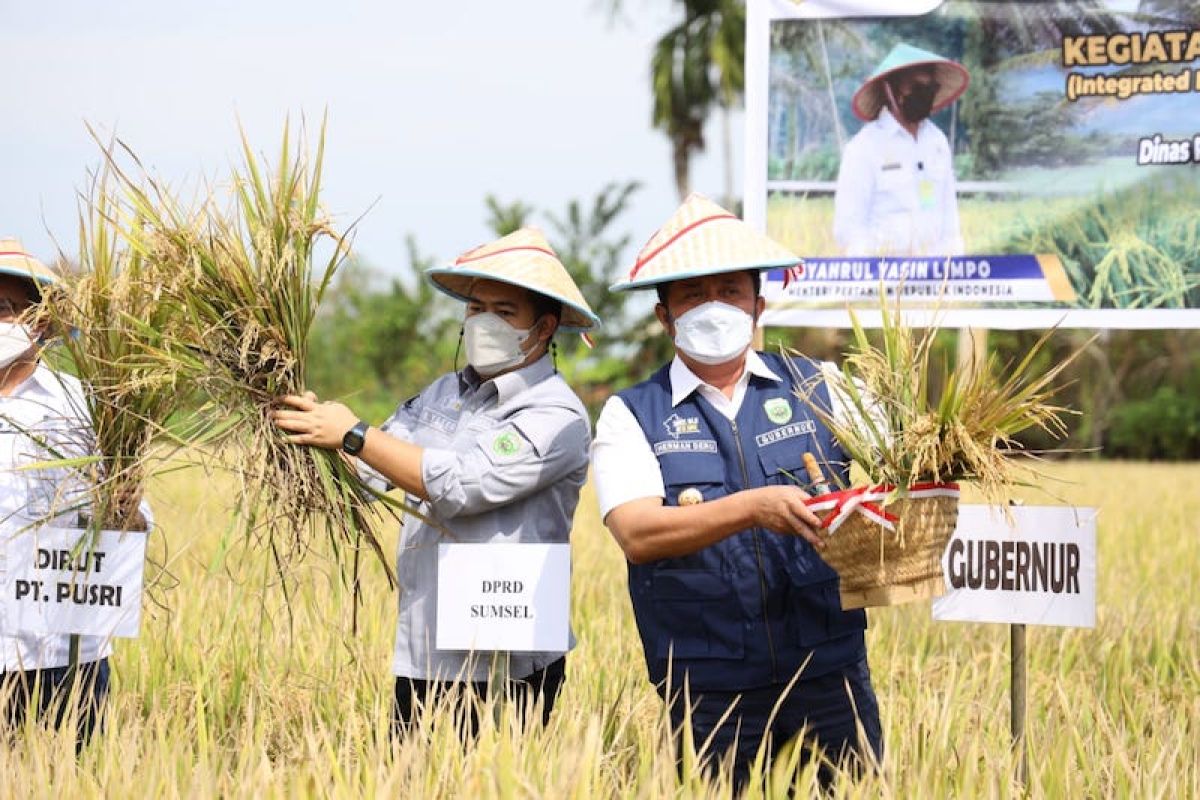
x,y
506,444
778,409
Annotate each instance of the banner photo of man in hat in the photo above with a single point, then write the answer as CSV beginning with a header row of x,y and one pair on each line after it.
x,y
497,451
896,192
989,164
696,475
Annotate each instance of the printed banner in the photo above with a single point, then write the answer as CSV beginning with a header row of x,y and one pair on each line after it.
x,y
508,597
1011,164
1041,570
66,580
997,278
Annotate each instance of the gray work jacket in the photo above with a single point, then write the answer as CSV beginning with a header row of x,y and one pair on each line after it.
x,y
504,460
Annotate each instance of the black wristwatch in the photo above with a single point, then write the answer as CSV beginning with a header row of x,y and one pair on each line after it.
x,y
355,438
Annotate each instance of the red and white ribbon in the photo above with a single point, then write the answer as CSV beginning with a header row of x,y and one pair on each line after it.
x,y
865,500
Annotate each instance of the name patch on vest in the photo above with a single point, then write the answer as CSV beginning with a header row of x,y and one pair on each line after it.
x,y
685,446
785,432
435,419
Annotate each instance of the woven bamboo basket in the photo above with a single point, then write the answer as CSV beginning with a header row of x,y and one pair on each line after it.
x,y
882,566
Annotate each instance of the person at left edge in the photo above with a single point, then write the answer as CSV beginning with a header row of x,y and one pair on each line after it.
x,y
43,416
498,451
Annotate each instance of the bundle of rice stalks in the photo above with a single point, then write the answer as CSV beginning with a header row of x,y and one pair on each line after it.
x,y
256,272
117,324
900,433
886,539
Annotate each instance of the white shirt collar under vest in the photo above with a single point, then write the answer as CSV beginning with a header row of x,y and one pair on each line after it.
x,y
684,382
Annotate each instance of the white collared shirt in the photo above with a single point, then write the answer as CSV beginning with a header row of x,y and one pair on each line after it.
x,y
896,194
624,467
43,419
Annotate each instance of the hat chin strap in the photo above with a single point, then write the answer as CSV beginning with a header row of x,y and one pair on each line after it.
x,y
893,106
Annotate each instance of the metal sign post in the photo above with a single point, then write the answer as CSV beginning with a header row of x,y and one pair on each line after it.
x,y
972,353
1017,669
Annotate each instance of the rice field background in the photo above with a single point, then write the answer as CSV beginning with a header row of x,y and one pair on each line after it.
x,y
224,694
1131,247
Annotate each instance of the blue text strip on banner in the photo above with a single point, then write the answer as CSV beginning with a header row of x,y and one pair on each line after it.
x,y
1022,278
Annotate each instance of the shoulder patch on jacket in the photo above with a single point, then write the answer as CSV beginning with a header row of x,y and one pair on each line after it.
x,y
504,445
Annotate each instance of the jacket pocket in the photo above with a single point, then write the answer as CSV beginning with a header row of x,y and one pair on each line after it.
x,y
698,616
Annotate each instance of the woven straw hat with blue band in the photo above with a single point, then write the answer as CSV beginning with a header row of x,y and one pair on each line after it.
x,y
523,258
14,260
701,238
951,76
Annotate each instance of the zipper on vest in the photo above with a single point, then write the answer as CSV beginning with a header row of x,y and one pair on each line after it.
x,y
762,581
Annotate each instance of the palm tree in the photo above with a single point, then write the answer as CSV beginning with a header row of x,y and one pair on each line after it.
x,y
1170,12
800,52
996,35
698,65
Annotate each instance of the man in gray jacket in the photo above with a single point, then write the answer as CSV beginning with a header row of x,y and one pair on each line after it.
x,y
497,451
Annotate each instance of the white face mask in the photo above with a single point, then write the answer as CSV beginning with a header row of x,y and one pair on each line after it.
x,y
492,344
15,341
714,332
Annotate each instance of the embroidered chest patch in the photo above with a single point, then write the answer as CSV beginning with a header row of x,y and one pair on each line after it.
x,y
681,426
778,409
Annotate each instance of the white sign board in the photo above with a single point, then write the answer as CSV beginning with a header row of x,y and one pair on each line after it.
x,y
1039,571
508,597
65,580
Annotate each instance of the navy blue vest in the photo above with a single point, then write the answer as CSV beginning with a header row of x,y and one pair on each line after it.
x,y
748,611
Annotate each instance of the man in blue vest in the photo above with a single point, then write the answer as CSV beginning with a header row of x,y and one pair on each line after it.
x,y
696,472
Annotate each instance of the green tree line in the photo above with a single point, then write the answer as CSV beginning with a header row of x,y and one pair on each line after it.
x,y
381,338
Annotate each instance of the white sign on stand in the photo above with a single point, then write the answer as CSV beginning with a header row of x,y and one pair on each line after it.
x,y
504,597
1040,570
66,580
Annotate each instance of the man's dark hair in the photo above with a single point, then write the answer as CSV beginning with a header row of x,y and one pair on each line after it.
x,y
661,288
33,292
543,304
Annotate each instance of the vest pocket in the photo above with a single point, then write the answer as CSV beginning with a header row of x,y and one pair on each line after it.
x,y
783,462
697,615
817,614
702,472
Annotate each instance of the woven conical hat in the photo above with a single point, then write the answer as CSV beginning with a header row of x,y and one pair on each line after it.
x,y
523,258
701,238
15,261
951,76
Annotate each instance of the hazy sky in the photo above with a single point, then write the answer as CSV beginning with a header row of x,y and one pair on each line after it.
x,y
431,105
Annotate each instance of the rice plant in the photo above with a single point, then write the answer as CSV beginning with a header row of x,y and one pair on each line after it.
x,y
1131,249
900,433
116,324
210,703
257,265
1137,247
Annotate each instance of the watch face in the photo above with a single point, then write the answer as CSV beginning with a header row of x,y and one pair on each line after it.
x,y
352,442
